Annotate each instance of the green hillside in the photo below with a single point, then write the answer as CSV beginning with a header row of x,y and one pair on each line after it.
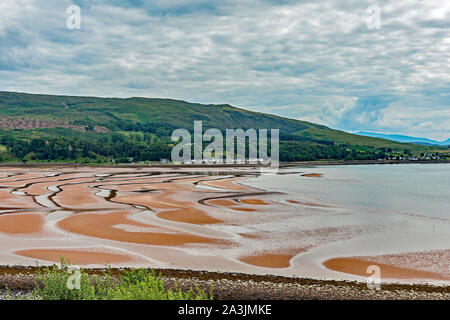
x,y
89,129
108,111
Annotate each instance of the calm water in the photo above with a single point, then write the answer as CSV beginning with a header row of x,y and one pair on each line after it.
x,y
418,189
371,211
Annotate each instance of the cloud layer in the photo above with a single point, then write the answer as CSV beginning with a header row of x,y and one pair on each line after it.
x,y
307,59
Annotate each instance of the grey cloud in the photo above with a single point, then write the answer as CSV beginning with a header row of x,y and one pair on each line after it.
x,y
303,59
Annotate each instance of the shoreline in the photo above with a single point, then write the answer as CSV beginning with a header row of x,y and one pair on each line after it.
x,y
240,286
168,212
216,166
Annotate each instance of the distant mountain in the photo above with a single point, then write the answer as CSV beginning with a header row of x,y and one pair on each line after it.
x,y
34,112
40,128
405,139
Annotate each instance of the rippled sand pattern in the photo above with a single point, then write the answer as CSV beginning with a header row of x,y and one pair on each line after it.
x,y
62,207
412,265
181,219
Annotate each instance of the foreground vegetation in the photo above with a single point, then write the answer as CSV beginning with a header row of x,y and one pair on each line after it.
x,y
60,283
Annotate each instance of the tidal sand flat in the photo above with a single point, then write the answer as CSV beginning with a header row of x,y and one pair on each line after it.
x,y
77,257
326,222
398,266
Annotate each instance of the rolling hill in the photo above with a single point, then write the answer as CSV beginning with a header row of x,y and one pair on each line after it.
x,y
40,127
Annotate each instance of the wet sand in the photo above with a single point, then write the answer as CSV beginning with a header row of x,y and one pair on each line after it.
x,y
103,226
397,266
312,175
79,196
186,220
235,204
277,259
182,211
254,201
222,202
227,184
8,200
75,257
40,186
244,209
21,223
17,179
309,204
188,215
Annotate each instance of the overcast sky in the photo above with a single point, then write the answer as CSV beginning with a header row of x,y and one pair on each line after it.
x,y
313,60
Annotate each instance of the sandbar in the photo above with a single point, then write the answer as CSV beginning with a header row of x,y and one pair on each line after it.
x,y
78,257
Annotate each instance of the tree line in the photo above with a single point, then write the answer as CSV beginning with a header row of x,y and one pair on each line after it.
x,y
141,147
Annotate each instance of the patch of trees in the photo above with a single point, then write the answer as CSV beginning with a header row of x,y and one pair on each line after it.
x,y
304,151
116,146
146,146
158,129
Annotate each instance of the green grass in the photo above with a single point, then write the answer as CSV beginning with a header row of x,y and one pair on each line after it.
x,y
136,284
176,114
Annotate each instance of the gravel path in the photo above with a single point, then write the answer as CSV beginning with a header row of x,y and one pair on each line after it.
x,y
236,286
